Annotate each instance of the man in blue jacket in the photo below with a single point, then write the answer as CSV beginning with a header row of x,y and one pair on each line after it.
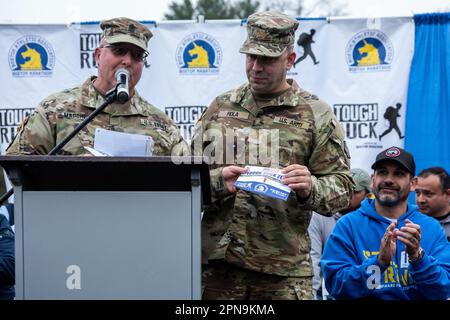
x,y
387,249
6,260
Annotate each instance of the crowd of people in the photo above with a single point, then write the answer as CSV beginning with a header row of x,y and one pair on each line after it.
x,y
340,234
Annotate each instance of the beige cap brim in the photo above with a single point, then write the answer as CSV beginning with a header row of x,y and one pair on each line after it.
x,y
126,38
261,49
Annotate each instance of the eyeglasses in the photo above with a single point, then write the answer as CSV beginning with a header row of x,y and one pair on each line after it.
x,y
120,51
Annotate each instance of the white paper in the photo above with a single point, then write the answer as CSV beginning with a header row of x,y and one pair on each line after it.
x,y
121,144
96,152
264,181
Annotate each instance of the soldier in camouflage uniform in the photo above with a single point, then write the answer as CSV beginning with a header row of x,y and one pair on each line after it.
x,y
123,45
255,247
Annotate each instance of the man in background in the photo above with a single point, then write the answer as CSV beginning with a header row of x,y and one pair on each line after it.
x,y
6,260
387,249
432,187
321,227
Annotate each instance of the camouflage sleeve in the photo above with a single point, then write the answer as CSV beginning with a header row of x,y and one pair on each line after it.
x,y
179,147
34,136
218,189
329,164
169,142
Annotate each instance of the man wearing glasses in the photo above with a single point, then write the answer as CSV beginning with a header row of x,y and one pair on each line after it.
x,y
123,46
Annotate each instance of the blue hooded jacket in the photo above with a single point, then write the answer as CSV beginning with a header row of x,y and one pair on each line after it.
x,y
351,269
6,260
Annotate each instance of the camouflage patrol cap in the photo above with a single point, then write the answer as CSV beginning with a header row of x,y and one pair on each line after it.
x,y
362,179
125,30
269,33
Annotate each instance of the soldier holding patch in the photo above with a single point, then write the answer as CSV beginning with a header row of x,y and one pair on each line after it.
x,y
255,247
123,45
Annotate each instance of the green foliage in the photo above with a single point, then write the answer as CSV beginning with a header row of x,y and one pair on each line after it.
x,y
182,11
244,8
212,9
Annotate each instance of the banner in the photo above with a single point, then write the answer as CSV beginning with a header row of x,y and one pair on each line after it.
x,y
360,67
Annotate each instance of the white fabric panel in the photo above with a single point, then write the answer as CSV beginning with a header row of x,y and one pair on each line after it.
x,y
359,95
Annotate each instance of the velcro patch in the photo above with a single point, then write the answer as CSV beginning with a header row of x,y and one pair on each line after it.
x,y
233,114
73,115
153,124
291,122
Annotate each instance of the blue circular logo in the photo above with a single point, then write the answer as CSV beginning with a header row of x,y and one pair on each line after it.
x,y
261,188
199,53
369,50
31,56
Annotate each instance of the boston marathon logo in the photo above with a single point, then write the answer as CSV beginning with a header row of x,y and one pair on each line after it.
x,y
369,50
31,56
199,54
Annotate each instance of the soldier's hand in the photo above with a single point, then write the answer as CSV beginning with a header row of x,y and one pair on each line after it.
x,y
298,178
230,175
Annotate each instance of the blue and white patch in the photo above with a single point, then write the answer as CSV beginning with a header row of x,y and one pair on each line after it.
x,y
31,56
264,181
369,50
199,54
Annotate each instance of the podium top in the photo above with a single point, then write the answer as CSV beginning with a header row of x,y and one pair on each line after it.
x,y
72,173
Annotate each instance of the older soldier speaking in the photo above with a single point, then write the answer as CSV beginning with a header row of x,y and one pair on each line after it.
x,y
123,46
255,247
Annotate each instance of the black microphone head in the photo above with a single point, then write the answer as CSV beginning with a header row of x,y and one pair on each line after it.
x,y
122,97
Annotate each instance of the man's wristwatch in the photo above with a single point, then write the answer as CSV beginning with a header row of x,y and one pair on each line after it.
x,y
418,258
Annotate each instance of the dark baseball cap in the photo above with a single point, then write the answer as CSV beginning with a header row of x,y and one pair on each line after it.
x,y
399,155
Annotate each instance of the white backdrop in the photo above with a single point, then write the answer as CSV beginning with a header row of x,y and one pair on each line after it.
x,y
358,86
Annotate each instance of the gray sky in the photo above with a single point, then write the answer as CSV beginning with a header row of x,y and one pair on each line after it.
x,y
51,11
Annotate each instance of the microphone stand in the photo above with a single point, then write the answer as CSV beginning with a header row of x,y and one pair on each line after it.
x,y
111,96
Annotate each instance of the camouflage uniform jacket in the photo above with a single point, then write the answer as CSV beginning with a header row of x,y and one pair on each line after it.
x,y
261,233
57,116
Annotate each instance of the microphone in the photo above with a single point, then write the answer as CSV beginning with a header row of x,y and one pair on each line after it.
x,y
122,76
